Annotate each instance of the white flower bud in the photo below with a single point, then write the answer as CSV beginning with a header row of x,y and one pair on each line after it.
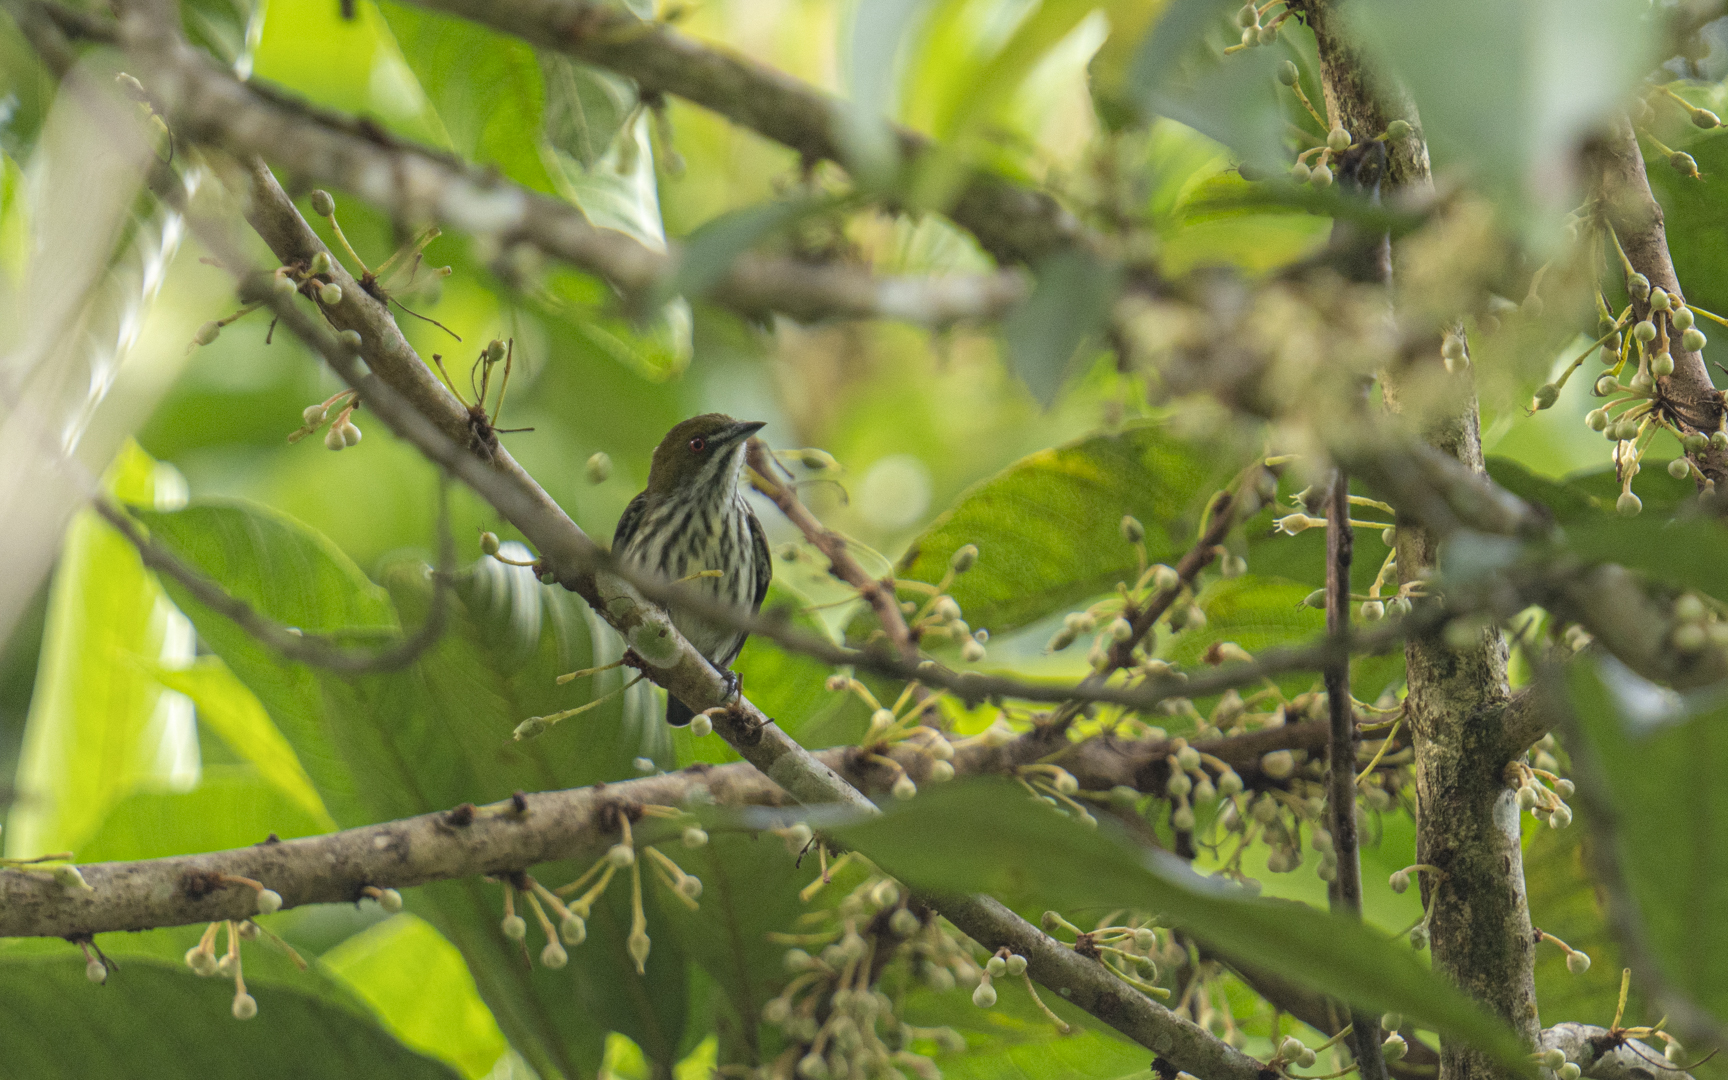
x,y
1279,764
621,855
701,726
1399,881
695,836
984,996
1577,962
245,1006
269,901
553,956
514,927
904,788
96,971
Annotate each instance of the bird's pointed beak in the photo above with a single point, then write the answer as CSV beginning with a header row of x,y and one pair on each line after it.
x,y
743,430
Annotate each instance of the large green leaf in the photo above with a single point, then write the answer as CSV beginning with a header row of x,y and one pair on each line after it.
x,y
1048,527
388,745
976,835
417,983
1662,759
100,725
155,1019
232,806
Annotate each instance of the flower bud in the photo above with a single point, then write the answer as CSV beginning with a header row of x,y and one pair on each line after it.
x,y
1419,938
1373,611
1527,798
390,900
1606,385
96,971
695,836
940,771
1662,365
701,726
1545,397
323,204
1658,299
330,294
963,558
1287,73
1315,599
1320,176
1249,15
996,967
1229,783
1681,317
817,460
350,338
599,467
1577,962
1182,819
514,927
269,901
321,263
947,609
1250,36
1188,758
1719,440
1628,504
1596,419
1400,881
1061,640
1674,1052
880,721
1016,965
984,996
1398,129
1120,629
1693,340
1394,1048
1299,173
1338,140
972,652
1645,331
1266,34
1178,785
207,333
1278,764
489,543
69,879
530,728
1561,817
638,946
1638,286
1684,163
201,960
245,1006
1132,530
1680,468
904,788
1564,788
1392,1021
284,286
1569,1071
621,855
553,956
1291,1048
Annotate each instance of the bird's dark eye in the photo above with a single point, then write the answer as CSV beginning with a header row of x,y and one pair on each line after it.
x,y
698,444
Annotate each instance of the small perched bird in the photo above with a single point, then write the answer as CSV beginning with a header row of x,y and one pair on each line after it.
x,y
692,519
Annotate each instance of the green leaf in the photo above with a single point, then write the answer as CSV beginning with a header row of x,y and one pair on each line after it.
x,y
99,726
1048,527
486,88
1566,500
1661,755
155,1019
975,835
1648,544
709,252
233,806
586,107
421,990
233,712
1068,306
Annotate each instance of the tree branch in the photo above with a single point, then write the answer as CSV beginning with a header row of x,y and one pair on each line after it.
x,y
205,104
1011,222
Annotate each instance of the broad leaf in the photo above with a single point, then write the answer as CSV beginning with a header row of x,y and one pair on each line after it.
x,y
1662,756
975,836
1070,304
233,806
1048,528
155,1019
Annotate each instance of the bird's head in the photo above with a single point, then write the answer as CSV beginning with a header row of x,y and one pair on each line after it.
x,y
702,453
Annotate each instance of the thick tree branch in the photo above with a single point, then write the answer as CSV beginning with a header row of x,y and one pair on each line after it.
x,y
1011,222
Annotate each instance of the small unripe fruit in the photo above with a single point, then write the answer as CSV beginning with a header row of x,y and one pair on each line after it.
x,y
1278,764
1399,881
1645,331
333,439
984,996
1658,299
1398,129
1299,173
598,468
1315,599
1553,1058
1684,163
1674,1052
1249,15
1642,383
330,294
1679,468
904,788
1338,140
321,263
553,956
1545,397
1016,965
1569,1071
1577,963
1638,286
1611,348
269,901
284,286
621,855
1320,176
1527,797
1452,347
1606,385
390,900
701,726
1287,73
1662,365
1682,317
245,1007
313,415
1628,504
323,204
1693,340
996,967
514,927
489,543
695,836
351,434
1596,419
1266,35
963,558
1392,1021
96,971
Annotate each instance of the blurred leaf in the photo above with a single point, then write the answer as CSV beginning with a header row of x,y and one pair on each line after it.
x,y
1510,90
233,806
585,107
1048,527
709,252
1648,544
233,712
155,1019
973,836
1180,72
486,88
100,725
218,26
1567,501
1013,1040
1067,307
1661,755
422,992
